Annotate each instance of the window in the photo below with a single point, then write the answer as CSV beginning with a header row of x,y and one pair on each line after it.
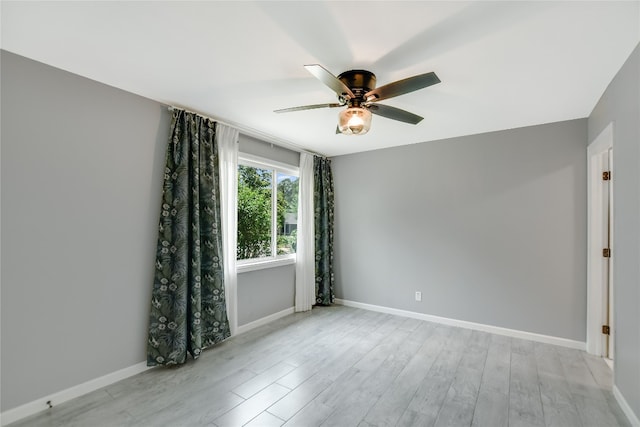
x,y
267,210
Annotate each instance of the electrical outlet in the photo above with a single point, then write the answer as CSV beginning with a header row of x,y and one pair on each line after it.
x,y
418,296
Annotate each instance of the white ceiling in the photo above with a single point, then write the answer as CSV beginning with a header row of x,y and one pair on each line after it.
x,y
502,64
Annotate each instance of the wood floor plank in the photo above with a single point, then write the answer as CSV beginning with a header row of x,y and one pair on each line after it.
x,y
346,350
265,419
332,350
181,398
357,365
66,412
259,382
547,360
392,404
312,415
181,412
298,398
557,401
497,369
525,404
599,369
398,350
579,376
342,387
410,324
351,355
311,339
424,407
91,409
389,346
252,407
594,412
458,407
615,409
422,332
492,406
491,409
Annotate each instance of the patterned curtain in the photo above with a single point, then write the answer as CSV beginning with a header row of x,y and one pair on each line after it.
x,y
188,311
323,218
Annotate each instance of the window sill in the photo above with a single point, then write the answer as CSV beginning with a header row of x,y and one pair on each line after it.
x,y
259,265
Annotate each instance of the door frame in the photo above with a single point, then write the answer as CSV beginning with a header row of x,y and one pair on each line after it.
x,y
597,273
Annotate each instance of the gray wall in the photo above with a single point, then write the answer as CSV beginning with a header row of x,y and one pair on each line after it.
x,y
256,147
81,181
491,228
620,104
264,292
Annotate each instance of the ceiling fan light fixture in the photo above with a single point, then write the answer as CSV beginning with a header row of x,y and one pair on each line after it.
x,y
354,121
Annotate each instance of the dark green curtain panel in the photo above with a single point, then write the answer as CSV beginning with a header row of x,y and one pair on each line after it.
x,y
323,218
188,310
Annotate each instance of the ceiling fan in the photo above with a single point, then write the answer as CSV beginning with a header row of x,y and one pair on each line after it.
x,y
357,90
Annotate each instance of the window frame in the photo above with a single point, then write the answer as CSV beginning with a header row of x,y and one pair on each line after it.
x,y
274,260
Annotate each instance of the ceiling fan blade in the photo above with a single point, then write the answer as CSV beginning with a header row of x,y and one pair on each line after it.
x,y
307,107
322,74
401,87
395,113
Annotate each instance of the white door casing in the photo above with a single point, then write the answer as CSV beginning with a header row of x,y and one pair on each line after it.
x,y
599,268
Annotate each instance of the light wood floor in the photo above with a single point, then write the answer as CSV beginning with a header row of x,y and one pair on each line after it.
x,y
339,366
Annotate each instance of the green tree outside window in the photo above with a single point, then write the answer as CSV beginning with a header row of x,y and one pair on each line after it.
x,y
256,230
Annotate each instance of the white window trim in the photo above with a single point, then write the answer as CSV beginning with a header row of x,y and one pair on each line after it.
x,y
261,162
246,159
252,265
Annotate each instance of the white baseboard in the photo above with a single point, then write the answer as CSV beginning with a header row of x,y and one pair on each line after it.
x,y
579,345
263,321
633,418
39,405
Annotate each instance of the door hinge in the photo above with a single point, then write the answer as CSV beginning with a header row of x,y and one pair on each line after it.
x,y
606,252
606,176
606,330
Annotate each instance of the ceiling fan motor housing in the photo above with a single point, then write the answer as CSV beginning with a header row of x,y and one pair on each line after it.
x,y
360,82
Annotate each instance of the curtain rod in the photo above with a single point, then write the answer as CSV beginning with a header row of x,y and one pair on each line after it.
x,y
252,133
